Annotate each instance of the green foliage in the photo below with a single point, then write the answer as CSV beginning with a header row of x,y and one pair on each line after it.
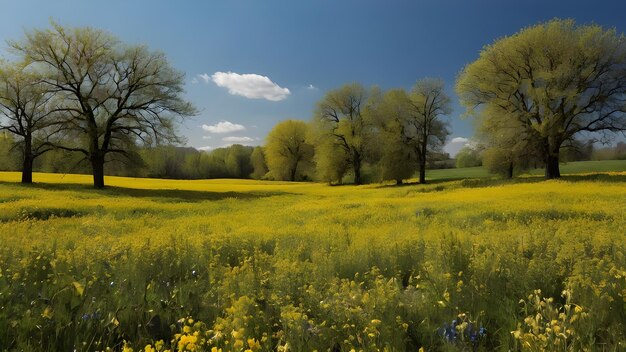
x,y
27,110
395,138
237,161
397,162
259,165
468,157
429,103
134,95
289,156
9,157
188,163
331,161
343,128
546,84
172,162
498,161
576,150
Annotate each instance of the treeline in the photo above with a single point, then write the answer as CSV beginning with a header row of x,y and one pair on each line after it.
x,y
574,150
169,161
362,135
175,162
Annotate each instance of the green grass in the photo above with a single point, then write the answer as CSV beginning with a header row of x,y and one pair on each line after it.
x,y
576,167
458,173
580,167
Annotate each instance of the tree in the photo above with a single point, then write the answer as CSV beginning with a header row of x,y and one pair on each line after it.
x,y
25,106
397,162
114,94
397,157
288,155
577,150
257,159
331,161
169,161
508,146
498,161
237,161
468,157
426,131
344,127
557,79
415,120
8,159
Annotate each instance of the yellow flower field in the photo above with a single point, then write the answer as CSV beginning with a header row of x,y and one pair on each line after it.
x,y
250,265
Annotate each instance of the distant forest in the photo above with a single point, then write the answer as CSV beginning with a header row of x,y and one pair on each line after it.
x,y
237,161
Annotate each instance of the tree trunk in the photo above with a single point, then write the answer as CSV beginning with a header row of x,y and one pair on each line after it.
x,y
292,174
509,173
399,181
552,147
422,171
97,166
27,168
421,155
552,166
27,162
356,165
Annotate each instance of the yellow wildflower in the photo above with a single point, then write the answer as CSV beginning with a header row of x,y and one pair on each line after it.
x,y
238,344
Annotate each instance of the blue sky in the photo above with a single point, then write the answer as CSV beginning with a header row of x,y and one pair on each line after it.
x,y
250,64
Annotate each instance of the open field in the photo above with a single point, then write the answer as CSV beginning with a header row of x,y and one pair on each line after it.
x,y
576,167
301,266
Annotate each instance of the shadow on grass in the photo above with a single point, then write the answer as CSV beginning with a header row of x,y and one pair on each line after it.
x,y
159,195
595,177
600,177
448,183
416,183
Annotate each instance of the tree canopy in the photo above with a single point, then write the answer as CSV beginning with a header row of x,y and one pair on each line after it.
x,y
26,111
289,156
343,127
556,79
412,126
113,95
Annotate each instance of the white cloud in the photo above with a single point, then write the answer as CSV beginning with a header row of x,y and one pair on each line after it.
x,y
204,77
459,140
231,144
455,145
207,148
250,85
201,77
206,137
223,127
311,87
234,139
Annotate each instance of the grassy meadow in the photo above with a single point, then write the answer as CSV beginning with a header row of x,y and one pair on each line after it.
x,y
236,265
